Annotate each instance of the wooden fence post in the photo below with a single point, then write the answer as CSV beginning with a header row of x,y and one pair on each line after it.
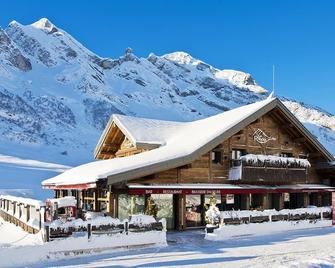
x,y
126,227
55,216
47,233
89,231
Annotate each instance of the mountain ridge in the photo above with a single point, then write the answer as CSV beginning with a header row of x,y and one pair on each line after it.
x,y
56,95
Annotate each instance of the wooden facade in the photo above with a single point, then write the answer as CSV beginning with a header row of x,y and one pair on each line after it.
x,y
287,141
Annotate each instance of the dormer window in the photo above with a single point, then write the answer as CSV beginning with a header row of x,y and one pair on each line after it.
x,y
217,157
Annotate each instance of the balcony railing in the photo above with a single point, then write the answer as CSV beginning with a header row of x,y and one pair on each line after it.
x,y
269,169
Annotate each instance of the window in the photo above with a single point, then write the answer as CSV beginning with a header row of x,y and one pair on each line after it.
x,y
236,154
65,193
217,157
303,156
286,154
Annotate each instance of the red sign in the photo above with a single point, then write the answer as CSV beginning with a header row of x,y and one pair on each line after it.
x,y
222,191
333,208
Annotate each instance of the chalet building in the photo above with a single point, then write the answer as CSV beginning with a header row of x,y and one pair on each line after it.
x,y
257,156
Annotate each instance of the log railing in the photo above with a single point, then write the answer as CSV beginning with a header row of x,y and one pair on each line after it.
x,y
267,174
23,212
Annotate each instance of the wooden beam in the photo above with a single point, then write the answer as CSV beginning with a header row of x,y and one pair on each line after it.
x,y
299,140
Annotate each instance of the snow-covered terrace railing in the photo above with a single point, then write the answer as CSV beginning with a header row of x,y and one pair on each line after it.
x,y
24,212
246,216
269,167
105,224
259,160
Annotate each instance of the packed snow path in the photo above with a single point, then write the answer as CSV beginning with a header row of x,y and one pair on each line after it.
x,y
305,248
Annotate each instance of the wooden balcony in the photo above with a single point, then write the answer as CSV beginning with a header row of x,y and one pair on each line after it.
x,y
266,174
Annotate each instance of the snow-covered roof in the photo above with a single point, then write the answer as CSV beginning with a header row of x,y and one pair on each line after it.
x,y
179,144
147,131
67,201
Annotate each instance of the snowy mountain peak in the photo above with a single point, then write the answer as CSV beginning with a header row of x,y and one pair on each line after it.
x,y
44,24
241,79
13,22
181,57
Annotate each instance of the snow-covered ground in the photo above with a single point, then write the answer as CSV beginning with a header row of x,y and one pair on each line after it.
x,y
305,248
299,248
18,248
12,235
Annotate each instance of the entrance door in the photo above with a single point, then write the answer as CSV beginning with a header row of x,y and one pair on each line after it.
x,y
193,212
164,204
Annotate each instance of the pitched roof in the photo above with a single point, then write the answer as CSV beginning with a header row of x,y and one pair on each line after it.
x,y
179,143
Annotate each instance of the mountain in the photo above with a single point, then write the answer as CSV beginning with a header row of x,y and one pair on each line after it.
x,y
56,95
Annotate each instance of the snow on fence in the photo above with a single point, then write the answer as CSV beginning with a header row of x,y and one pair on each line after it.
x,y
30,215
275,161
253,222
271,215
24,212
103,225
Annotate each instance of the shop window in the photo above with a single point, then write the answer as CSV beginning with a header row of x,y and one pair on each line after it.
x,y
209,199
164,203
74,193
256,201
194,210
130,205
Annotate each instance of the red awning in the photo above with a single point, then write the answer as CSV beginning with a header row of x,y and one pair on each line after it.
x,y
82,186
226,189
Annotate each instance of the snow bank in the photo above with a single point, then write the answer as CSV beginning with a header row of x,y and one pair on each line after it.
x,y
142,220
101,221
58,249
233,231
12,235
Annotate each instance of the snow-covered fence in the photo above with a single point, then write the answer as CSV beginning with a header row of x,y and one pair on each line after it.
x,y
104,225
254,216
24,212
234,221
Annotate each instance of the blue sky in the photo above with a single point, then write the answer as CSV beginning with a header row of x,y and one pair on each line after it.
x,y
297,36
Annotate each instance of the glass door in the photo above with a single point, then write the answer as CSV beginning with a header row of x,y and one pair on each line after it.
x,y
193,213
